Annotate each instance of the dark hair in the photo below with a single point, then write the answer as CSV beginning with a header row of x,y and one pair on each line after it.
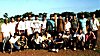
x,y
59,15
11,18
89,29
15,34
36,16
5,20
44,16
23,34
36,32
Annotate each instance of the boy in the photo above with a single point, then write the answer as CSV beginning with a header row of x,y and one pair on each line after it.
x,y
13,42
36,41
5,30
22,41
81,39
67,40
58,43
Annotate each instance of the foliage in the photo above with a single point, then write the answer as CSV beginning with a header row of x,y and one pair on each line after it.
x,y
6,15
64,14
1,20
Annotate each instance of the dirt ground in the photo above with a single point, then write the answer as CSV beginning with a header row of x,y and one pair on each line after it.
x,y
62,52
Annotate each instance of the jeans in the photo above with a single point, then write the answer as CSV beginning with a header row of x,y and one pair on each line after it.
x,y
66,42
75,41
15,45
58,46
5,40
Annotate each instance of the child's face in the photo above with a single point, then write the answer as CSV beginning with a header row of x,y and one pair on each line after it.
x,y
15,36
80,31
37,34
12,20
90,32
59,36
23,37
46,33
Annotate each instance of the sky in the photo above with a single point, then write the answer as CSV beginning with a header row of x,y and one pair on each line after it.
x,y
18,7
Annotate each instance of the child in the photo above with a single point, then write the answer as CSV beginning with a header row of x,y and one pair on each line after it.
x,y
45,38
13,42
90,39
36,41
58,42
81,39
22,42
5,30
67,40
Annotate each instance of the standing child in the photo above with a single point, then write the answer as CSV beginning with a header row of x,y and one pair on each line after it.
x,y
5,30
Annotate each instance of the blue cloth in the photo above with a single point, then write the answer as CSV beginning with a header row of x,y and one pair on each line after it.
x,y
51,24
16,46
83,22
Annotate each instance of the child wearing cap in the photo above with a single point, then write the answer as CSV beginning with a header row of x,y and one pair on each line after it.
x,y
58,42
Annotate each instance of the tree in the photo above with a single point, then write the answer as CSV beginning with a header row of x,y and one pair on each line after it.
x,y
6,15
97,12
27,14
45,13
1,20
67,14
79,14
87,14
40,15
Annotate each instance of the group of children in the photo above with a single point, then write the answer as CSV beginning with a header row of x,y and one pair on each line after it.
x,y
53,34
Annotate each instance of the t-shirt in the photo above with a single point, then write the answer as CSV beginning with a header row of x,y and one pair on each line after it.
x,y
83,22
67,26
94,24
50,25
13,40
44,24
46,37
12,28
60,25
28,27
22,25
38,40
74,23
36,25
5,28
81,37
67,36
